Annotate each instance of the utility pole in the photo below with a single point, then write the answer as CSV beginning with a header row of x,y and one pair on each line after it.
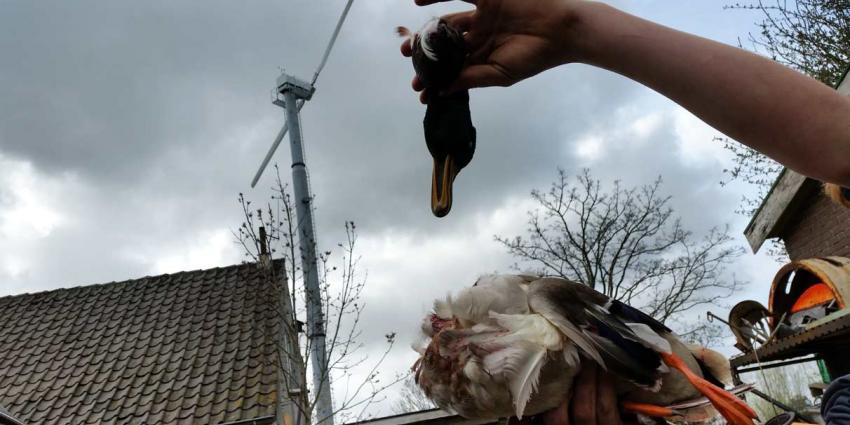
x,y
294,93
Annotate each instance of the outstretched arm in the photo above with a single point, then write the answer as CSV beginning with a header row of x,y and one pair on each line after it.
x,y
788,116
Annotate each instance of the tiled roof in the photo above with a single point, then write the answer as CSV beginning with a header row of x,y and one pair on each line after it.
x,y
6,418
196,347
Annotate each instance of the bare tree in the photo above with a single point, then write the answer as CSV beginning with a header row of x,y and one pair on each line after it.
x,y
411,398
273,229
627,244
787,384
808,35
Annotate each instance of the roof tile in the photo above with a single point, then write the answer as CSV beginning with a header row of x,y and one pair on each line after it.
x,y
186,348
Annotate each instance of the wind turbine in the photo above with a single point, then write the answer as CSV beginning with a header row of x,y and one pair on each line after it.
x,y
291,94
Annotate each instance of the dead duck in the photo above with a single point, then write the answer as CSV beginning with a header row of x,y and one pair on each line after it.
x,y
439,53
511,346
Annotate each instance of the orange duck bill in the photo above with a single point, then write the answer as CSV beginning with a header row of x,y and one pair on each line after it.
x,y
445,171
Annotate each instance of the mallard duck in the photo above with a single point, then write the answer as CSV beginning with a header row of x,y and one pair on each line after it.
x,y
510,346
438,53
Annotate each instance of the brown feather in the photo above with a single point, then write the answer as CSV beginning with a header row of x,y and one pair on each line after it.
x,y
834,192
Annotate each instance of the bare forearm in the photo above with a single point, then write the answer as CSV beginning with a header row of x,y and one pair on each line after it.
x,y
792,118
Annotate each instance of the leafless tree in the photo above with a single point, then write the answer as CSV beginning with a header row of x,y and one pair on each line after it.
x,y
273,229
411,398
788,384
625,243
808,35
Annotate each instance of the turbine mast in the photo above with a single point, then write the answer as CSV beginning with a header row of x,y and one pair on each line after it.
x,y
294,93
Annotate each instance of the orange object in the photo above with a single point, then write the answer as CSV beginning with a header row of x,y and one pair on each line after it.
x,y
648,409
817,294
732,408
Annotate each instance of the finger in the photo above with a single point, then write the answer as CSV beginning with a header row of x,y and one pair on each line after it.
x,y
416,84
584,396
485,75
559,415
461,21
607,410
427,2
406,48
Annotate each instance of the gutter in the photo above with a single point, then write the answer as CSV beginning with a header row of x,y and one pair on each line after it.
x,y
263,420
6,418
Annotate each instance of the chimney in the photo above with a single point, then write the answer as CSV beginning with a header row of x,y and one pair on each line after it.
x,y
264,258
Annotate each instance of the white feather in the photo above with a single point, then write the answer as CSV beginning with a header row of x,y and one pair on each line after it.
x,y
571,355
443,308
530,327
525,383
519,365
421,344
473,305
426,30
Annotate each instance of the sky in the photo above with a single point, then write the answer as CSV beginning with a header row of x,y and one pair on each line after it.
x,y
127,130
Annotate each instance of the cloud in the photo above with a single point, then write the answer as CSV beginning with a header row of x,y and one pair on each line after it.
x,y
128,129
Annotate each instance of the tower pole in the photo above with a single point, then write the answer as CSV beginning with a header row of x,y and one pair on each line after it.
x,y
307,247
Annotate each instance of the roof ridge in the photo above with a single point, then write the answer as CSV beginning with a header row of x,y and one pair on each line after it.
x,y
136,279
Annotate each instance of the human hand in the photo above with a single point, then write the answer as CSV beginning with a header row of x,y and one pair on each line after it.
x,y
594,402
510,40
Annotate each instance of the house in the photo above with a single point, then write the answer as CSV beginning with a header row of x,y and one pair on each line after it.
x,y
199,347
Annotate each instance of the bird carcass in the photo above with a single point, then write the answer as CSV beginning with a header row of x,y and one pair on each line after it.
x,y
511,346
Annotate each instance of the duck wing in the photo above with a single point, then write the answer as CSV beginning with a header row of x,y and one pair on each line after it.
x,y
622,341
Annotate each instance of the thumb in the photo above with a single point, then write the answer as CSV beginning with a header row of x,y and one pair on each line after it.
x,y
484,75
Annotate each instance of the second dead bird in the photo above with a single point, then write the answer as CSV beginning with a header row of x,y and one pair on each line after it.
x,y
438,56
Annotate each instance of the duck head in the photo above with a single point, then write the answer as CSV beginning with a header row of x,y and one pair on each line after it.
x,y
439,53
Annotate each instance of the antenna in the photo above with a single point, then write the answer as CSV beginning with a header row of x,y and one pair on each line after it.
x,y
291,93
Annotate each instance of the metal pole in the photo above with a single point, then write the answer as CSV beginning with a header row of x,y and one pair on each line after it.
x,y
783,406
307,246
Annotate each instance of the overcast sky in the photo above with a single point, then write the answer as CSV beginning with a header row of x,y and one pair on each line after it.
x,y
127,129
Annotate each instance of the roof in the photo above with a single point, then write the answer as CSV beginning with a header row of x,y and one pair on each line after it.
x,y
429,417
197,347
785,198
6,418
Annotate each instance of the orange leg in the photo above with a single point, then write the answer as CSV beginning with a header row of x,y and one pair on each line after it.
x,y
649,409
732,408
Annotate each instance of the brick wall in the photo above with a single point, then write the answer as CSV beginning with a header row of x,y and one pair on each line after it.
x,y
822,229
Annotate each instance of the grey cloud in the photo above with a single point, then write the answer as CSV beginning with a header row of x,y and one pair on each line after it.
x,y
161,110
